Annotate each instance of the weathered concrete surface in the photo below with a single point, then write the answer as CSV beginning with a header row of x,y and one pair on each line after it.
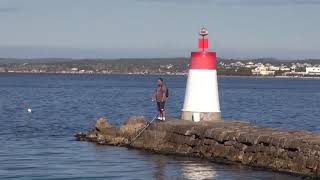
x,y
204,116
282,150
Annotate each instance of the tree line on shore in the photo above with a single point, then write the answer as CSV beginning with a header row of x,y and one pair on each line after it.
x,y
130,66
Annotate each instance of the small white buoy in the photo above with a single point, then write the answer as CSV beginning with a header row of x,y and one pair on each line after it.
x,y
29,110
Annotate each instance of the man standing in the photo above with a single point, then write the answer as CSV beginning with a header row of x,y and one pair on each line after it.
x,y
160,95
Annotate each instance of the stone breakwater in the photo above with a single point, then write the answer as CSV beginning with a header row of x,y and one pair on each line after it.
x,y
296,152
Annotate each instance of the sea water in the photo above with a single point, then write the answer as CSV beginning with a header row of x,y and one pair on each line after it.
x,y
40,144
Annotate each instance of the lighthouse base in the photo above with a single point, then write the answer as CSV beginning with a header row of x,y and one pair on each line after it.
x,y
200,116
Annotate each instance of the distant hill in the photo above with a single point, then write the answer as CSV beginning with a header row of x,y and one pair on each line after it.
x,y
143,60
90,61
40,60
134,65
143,66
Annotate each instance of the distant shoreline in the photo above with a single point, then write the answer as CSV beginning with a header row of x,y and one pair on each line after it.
x,y
137,74
257,68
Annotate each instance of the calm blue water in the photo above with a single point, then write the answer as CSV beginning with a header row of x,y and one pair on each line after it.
x,y
40,145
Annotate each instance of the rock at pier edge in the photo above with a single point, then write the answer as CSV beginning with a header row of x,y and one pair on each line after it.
x,y
282,150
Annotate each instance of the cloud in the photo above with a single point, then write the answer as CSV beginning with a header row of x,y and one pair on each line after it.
x,y
240,2
8,10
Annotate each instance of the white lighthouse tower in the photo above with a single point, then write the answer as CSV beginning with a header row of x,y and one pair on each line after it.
x,y
201,101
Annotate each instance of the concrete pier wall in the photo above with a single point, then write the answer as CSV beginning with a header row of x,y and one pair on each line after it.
x,y
281,150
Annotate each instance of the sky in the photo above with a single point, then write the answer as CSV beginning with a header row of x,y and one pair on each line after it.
x,y
159,28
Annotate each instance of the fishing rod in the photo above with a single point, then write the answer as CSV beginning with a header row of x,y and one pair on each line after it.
x,y
139,134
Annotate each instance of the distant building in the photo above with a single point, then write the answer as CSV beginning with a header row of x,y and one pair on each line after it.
x,y
263,71
74,69
169,66
250,65
295,74
237,64
284,68
267,73
274,68
313,70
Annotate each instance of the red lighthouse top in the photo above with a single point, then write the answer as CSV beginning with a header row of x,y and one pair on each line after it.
x,y
203,60
203,42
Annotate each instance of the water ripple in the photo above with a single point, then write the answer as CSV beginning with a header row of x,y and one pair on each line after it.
x,y
40,145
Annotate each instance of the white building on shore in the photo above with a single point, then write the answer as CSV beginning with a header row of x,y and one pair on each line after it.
x,y
313,70
263,71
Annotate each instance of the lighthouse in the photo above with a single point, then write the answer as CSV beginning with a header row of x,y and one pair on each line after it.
x,y
201,102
